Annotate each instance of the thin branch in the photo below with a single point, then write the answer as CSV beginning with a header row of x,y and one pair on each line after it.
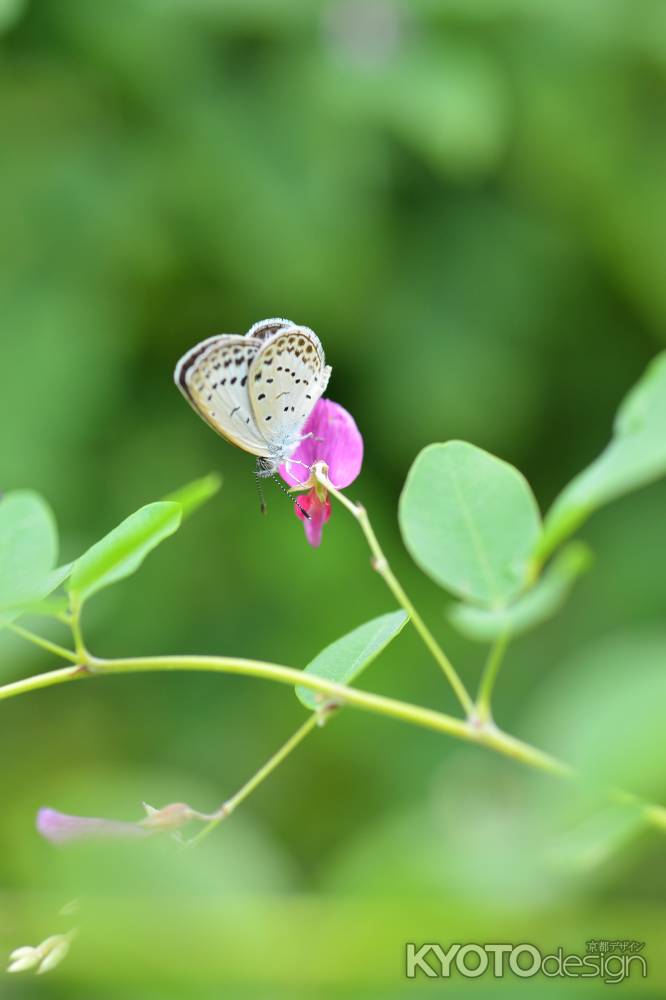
x,y
274,761
487,735
489,676
38,681
416,715
39,640
381,565
75,625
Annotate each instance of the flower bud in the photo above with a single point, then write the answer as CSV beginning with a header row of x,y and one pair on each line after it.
x,y
45,956
170,817
23,958
61,828
54,949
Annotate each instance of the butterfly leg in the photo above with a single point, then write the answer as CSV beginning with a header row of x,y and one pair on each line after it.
x,y
260,489
293,499
310,434
265,470
296,461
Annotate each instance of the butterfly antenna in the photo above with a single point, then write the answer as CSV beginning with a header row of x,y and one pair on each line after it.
x,y
260,491
291,497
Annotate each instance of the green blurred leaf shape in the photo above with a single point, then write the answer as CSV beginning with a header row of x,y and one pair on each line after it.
x,y
448,102
10,12
470,521
532,608
595,839
348,656
194,494
28,551
635,457
603,712
122,551
50,607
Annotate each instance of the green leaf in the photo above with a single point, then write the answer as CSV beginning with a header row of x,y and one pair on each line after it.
x,y
196,493
10,12
603,709
635,456
41,604
58,576
50,607
533,607
121,552
345,658
447,103
470,521
28,550
596,838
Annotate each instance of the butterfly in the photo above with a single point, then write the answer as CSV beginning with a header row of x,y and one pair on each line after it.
x,y
257,390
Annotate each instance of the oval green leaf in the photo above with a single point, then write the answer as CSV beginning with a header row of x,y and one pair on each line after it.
x,y
121,552
40,603
345,658
470,521
28,548
532,608
597,837
48,607
635,456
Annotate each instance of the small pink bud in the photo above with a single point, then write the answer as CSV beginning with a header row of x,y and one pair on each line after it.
x,y
60,828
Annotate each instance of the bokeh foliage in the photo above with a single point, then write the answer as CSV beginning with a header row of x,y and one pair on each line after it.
x,y
465,199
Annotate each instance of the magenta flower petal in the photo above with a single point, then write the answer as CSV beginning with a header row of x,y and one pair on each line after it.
x,y
335,440
60,828
319,512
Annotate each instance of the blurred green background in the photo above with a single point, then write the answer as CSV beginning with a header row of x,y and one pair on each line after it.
x,y
466,200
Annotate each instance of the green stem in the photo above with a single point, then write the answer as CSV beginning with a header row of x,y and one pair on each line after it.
x,y
353,697
274,761
381,565
38,681
425,718
75,625
489,676
487,735
496,739
38,640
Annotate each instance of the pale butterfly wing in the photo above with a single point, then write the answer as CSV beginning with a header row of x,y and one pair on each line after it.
x,y
267,327
287,376
213,376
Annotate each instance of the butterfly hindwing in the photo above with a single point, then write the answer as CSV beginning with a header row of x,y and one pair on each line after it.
x,y
266,328
213,376
287,377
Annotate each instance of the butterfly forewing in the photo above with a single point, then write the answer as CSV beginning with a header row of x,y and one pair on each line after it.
x,y
214,377
287,377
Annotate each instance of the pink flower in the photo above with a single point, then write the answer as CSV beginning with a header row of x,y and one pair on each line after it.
x,y
60,828
334,439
